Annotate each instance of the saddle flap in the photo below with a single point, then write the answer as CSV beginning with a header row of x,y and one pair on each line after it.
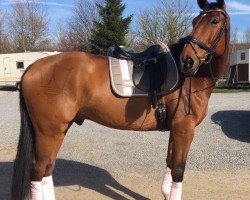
x,y
148,77
172,78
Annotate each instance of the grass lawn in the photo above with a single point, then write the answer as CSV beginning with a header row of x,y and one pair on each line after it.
x,y
221,90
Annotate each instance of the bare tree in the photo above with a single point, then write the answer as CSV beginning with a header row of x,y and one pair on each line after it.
x,y
63,42
168,22
5,45
79,27
132,40
29,25
242,42
246,36
234,39
150,27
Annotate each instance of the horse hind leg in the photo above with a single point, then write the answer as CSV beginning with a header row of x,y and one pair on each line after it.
x,y
47,180
45,152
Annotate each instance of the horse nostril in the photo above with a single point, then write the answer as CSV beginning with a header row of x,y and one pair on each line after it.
x,y
189,63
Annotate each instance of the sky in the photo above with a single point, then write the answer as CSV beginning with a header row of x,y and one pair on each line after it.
x,y
60,10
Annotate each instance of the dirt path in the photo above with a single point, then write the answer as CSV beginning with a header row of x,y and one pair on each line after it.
x,y
213,185
87,182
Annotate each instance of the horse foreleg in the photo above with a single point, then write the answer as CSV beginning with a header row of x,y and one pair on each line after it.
x,y
167,177
182,139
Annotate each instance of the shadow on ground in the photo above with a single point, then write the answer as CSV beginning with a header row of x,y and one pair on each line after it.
x,y
69,173
5,179
8,88
234,123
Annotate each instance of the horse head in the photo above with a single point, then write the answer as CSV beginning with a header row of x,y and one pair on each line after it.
x,y
208,39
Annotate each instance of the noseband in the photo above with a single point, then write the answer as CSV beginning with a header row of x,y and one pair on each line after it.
x,y
209,50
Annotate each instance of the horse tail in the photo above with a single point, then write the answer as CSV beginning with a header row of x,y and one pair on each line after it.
x,y
23,163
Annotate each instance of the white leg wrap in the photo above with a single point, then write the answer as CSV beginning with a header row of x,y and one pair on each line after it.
x,y
166,183
48,188
36,190
176,191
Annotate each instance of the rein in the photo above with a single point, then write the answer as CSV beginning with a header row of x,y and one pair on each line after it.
x,y
188,110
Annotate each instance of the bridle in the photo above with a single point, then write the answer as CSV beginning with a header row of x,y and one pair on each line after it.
x,y
209,53
209,50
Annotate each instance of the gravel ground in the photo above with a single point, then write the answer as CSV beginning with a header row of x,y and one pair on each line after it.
x,y
222,142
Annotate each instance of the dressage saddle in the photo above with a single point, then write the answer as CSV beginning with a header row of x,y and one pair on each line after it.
x,y
149,73
149,67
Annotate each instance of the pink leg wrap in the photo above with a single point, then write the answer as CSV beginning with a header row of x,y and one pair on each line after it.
x,y
48,188
166,183
176,191
36,190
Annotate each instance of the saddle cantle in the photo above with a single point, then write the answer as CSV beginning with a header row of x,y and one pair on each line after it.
x,y
122,53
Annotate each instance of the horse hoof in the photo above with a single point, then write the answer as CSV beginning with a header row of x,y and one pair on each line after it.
x,y
167,197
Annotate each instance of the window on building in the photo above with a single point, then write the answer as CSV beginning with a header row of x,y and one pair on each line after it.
x,y
19,65
243,56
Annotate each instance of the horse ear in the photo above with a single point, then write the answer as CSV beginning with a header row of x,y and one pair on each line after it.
x,y
221,3
203,4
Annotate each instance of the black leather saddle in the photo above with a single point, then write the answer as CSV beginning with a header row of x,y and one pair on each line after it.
x,y
149,67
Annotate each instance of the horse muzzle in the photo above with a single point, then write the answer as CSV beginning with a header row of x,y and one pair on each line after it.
x,y
188,65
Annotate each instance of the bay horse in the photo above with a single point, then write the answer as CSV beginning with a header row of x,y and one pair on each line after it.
x,y
59,90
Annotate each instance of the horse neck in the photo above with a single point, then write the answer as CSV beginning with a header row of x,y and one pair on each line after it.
x,y
214,69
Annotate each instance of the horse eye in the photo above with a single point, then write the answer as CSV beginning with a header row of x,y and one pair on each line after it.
x,y
214,21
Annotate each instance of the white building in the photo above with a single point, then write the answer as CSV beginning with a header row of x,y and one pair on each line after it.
x,y
13,65
239,68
